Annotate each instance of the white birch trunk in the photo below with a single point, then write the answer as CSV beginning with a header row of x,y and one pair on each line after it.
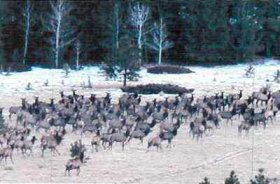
x,y
27,28
140,38
139,15
78,55
159,55
57,35
160,42
58,24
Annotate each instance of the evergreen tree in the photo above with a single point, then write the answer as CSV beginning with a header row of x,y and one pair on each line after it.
x,y
271,27
202,32
260,178
232,179
125,62
205,181
2,23
245,26
206,31
112,40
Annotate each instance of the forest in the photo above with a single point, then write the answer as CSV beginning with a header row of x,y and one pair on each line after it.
x,y
198,32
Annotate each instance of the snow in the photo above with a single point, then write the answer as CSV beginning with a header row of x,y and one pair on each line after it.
x,y
220,78
187,162
203,80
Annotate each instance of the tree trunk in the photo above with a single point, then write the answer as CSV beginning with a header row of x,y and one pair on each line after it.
x,y
78,55
117,25
159,55
268,49
140,37
57,37
140,45
26,31
26,44
124,78
160,41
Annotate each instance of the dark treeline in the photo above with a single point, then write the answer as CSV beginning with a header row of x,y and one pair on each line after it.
x,y
194,31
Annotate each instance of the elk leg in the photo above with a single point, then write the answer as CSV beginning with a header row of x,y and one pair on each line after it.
x,y
43,150
92,147
247,132
239,130
148,149
126,142
69,173
169,143
11,158
103,144
78,171
22,151
56,151
82,133
110,145
31,152
160,147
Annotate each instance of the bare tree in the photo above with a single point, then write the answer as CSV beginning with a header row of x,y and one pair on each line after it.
x,y
160,42
59,24
27,15
139,15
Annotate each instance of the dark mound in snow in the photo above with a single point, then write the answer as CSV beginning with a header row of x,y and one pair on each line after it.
x,y
156,88
168,69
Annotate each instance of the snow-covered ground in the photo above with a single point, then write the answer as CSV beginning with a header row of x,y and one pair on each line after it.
x,y
187,162
204,80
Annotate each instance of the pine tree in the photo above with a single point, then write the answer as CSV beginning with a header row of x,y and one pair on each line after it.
x,y
2,23
206,32
125,62
245,25
232,179
260,178
112,40
205,181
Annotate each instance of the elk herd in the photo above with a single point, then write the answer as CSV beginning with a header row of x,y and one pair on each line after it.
x,y
131,118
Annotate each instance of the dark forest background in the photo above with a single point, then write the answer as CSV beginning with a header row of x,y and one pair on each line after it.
x,y
202,31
